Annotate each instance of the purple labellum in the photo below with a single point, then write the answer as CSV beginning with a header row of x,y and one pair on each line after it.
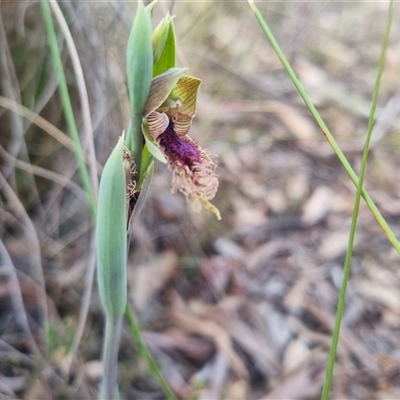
x,y
177,149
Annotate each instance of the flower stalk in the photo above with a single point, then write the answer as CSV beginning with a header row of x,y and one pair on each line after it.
x,y
162,105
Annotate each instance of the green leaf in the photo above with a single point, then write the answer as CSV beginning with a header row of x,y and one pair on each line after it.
x,y
139,74
140,60
111,242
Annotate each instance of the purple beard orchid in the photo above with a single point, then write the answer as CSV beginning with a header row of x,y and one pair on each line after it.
x,y
169,111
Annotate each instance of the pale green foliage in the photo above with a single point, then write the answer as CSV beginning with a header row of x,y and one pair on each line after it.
x,y
140,59
139,64
111,229
111,243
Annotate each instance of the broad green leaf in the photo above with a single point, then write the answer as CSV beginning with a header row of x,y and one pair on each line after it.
x,y
140,59
139,74
111,243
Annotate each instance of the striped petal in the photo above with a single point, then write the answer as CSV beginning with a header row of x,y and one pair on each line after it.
x,y
186,90
161,87
158,123
182,123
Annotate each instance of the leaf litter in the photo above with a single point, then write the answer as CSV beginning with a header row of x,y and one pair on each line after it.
x,y
243,308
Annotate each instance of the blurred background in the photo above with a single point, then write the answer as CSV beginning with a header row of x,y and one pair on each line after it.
x,y
241,308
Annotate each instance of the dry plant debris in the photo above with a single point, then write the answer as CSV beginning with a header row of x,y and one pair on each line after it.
x,y
238,309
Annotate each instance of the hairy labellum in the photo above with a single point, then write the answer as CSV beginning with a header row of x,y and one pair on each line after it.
x,y
193,171
177,149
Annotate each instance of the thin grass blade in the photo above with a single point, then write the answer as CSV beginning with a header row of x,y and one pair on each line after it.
x,y
145,353
349,253
353,176
67,106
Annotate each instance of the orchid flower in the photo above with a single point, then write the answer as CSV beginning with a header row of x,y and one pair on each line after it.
x,y
168,114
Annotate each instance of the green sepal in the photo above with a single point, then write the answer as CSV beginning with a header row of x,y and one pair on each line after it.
x,y
150,6
164,46
159,38
151,145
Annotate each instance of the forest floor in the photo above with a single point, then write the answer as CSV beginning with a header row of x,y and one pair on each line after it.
x,y
241,308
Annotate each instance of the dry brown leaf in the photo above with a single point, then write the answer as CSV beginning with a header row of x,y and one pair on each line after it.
x,y
252,188
299,124
381,293
318,205
265,253
334,244
231,162
277,201
193,347
297,354
94,369
218,335
296,122
380,287
257,346
294,299
237,390
228,248
298,184
146,280
37,390
218,373
304,383
387,203
245,215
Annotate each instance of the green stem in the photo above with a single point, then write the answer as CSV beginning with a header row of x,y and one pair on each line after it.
x,y
145,353
135,142
347,264
109,387
382,222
